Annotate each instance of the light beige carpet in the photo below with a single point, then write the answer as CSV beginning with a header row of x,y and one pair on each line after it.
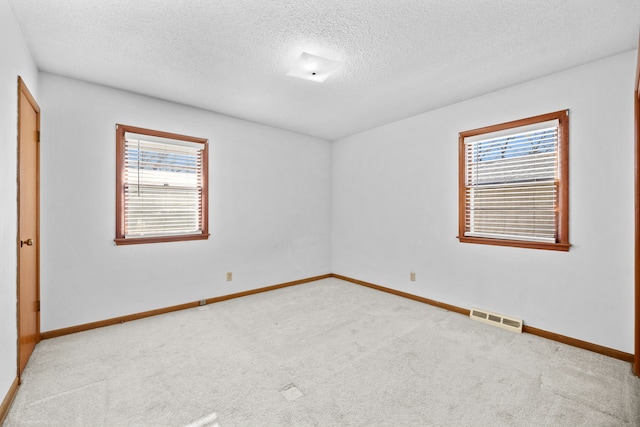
x,y
328,353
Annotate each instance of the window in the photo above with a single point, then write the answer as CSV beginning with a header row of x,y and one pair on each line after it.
x,y
161,186
513,183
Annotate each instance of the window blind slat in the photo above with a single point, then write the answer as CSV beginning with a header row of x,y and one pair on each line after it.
x,y
511,186
163,187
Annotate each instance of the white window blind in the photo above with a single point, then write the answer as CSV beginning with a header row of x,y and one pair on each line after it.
x,y
163,185
512,184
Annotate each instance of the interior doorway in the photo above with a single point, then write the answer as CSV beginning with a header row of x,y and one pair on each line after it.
x,y
28,241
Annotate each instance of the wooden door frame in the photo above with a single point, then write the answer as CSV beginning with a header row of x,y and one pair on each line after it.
x,y
636,101
23,90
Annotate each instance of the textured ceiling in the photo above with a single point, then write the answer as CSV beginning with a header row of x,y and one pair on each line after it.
x,y
398,57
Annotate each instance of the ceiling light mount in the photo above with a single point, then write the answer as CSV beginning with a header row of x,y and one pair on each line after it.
x,y
313,67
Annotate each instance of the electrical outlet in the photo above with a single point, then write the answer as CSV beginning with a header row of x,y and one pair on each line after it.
x,y
412,276
229,276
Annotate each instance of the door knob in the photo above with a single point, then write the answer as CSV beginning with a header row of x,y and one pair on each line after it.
x,y
28,242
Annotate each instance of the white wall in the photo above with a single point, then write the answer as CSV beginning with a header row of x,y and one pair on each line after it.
x,y
395,209
269,210
15,60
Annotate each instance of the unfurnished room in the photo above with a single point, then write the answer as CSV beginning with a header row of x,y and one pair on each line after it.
x,y
340,213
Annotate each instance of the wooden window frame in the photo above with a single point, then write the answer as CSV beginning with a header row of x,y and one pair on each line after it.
x,y
562,208
121,239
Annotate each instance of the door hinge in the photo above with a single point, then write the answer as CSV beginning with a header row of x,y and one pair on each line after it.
x,y
37,136
38,306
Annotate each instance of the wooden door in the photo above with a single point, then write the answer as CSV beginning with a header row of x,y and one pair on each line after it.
x,y
28,225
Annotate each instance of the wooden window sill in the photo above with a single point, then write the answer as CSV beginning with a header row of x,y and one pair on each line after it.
x,y
564,247
159,239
